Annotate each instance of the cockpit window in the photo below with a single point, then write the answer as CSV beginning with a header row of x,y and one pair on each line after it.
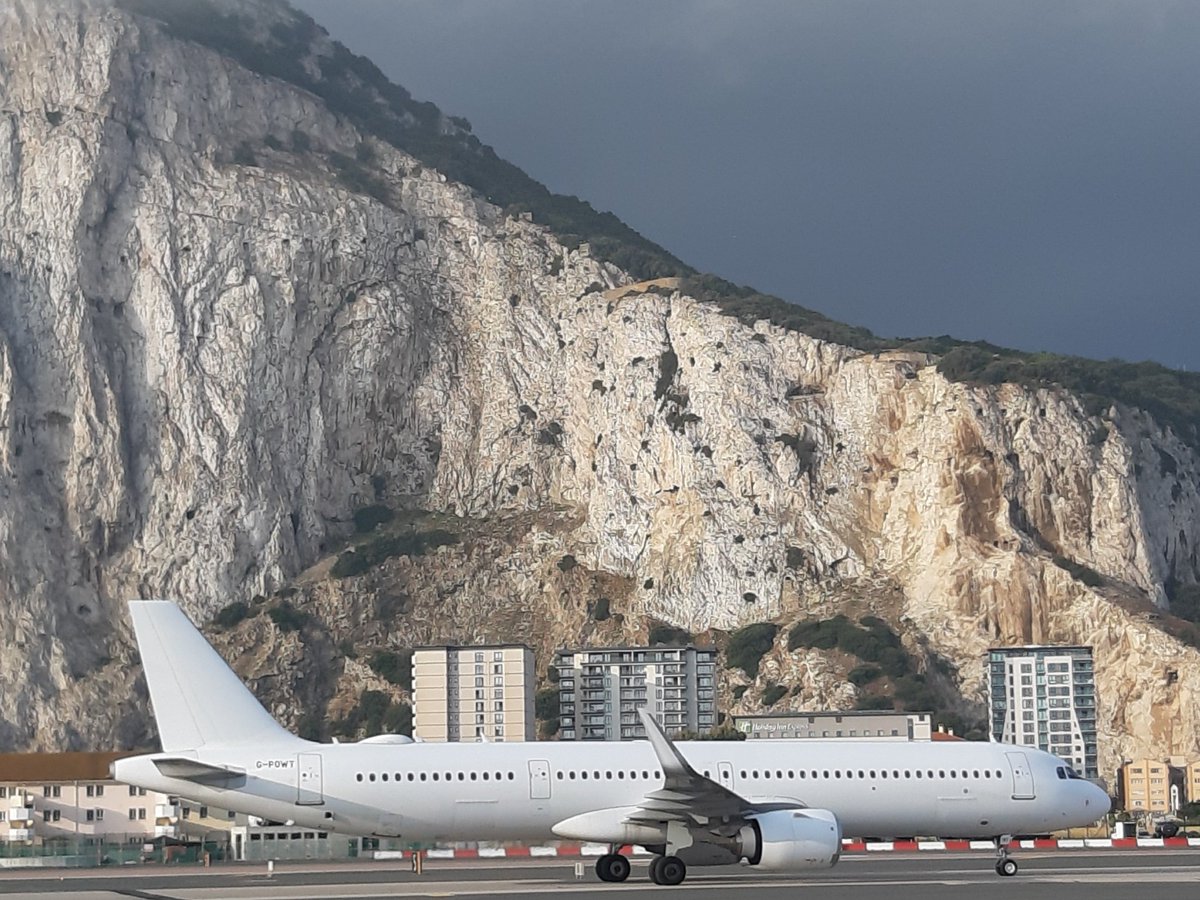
x,y
1062,772
1071,773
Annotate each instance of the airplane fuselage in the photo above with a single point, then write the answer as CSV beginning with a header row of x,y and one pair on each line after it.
x,y
518,791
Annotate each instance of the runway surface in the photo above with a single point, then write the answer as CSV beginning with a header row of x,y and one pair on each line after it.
x,y
1058,875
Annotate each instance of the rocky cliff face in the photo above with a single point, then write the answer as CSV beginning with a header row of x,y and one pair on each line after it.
x,y
219,338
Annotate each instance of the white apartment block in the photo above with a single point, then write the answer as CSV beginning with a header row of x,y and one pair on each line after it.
x,y
49,798
473,693
1045,697
600,691
55,796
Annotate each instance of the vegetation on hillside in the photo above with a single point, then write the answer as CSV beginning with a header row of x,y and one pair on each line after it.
x,y
748,645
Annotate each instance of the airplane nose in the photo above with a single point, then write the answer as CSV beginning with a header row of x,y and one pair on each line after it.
x,y
1097,802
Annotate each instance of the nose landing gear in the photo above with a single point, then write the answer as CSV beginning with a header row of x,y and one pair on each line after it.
x,y
1005,864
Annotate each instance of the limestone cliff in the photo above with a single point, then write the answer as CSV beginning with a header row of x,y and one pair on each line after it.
x,y
228,320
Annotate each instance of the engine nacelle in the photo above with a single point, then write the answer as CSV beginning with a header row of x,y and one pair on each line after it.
x,y
791,840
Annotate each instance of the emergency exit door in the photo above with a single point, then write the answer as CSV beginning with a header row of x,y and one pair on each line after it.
x,y
309,790
539,779
725,774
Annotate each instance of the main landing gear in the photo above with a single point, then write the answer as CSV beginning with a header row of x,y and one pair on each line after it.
x,y
612,867
1005,864
667,870
664,870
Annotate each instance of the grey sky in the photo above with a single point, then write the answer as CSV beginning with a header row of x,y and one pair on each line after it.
x,y
1022,172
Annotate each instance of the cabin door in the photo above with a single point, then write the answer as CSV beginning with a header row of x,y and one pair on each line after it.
x,y
725,774
1022,776
309,790
539,779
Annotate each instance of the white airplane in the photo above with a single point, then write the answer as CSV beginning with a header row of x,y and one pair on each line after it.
x,y
777,805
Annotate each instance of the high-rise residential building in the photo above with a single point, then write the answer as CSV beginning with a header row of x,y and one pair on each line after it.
x,y
473,693
1045,697
600,691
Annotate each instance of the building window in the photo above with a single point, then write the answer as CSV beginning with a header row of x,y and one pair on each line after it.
x,y
90,815
142,815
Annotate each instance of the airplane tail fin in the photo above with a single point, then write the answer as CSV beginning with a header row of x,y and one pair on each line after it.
x,y
197,698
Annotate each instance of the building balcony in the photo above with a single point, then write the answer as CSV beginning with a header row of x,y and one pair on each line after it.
x,y
18,834
168,811
165,831
20,814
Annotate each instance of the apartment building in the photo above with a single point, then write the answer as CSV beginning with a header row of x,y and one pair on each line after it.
x,y
855,725
68,796
474,693
600,691
1146,786
1045,697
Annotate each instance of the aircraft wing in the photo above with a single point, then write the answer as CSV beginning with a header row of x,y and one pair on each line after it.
x,y
686,795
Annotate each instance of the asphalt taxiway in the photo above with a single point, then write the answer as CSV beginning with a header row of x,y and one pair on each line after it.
x,y
1056,875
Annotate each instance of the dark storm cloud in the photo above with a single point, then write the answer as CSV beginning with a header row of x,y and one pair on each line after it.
x,y
1026,173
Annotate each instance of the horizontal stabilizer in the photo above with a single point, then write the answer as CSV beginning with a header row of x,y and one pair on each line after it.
x,y
194,770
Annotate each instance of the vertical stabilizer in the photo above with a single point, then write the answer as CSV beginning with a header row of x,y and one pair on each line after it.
x,y
198,700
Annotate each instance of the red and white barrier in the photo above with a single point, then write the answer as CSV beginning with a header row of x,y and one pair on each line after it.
x,y
848,846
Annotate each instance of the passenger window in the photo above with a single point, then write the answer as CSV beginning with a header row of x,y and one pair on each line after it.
x,y
583,775
792,774
371,777
485,775
473,776
646,774
941,773
860,773
825,774
918,773
608,775
510,776
358,777
435,776
767,773
422,776
743,774
384,776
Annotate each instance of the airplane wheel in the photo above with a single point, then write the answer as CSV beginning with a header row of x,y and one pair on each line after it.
x,y
1007,867
604,867
668,870
618,867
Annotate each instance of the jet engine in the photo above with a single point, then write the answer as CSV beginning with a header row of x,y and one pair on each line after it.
x,y
790,840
